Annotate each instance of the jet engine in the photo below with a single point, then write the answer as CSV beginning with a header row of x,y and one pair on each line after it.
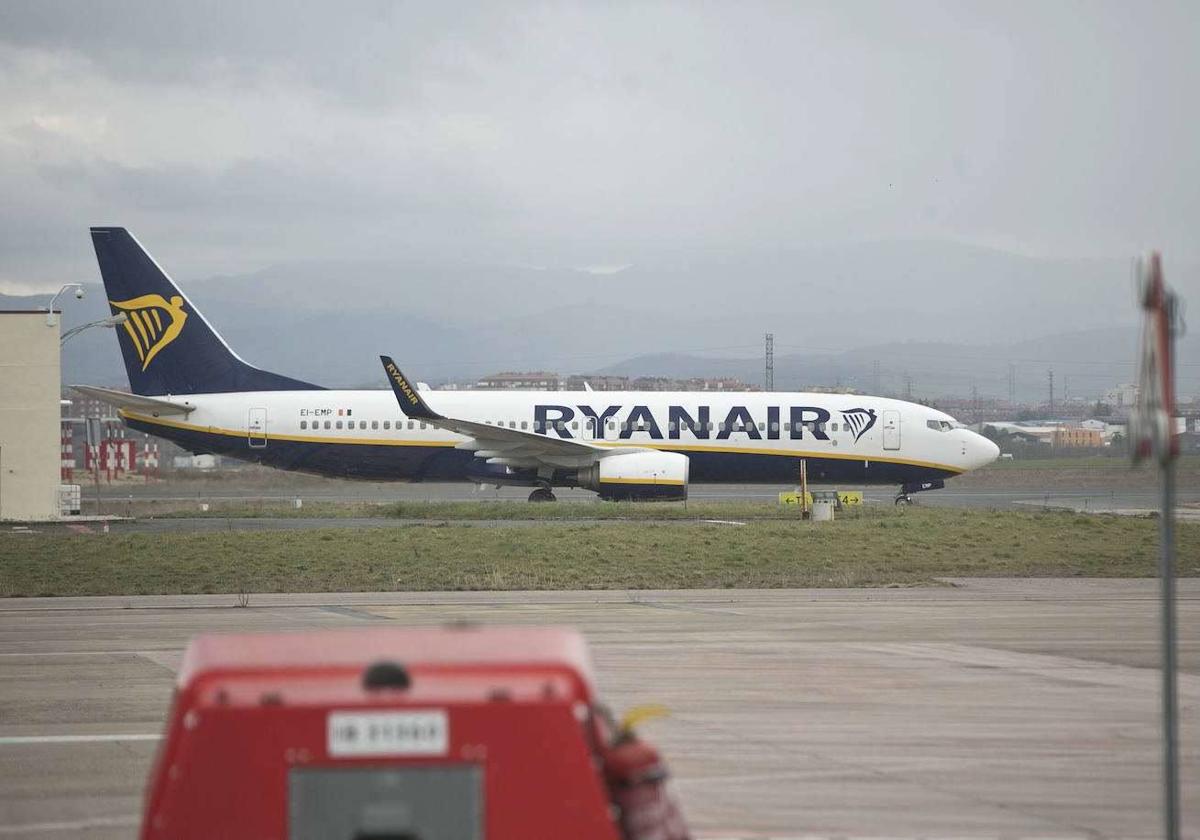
x,y
638,476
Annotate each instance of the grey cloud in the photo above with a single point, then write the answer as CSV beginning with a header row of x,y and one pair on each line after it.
x,y
364,50
662,134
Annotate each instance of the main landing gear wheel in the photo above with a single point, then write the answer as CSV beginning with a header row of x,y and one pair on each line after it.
x,y
904,499
542,494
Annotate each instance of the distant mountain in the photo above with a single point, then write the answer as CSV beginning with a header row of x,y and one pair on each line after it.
x,y
1084,363
946,315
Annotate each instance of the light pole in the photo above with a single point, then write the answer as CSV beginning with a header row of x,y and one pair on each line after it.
x,y
109,322
51,318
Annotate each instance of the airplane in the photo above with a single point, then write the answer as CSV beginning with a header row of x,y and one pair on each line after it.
x,y
188,386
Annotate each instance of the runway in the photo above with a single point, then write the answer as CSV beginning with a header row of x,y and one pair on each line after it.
x,y
986,708
1083,497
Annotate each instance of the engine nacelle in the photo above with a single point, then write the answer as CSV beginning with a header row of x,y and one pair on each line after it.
x,y
638,476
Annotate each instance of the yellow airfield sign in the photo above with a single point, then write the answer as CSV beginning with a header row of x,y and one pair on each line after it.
x,y
845,497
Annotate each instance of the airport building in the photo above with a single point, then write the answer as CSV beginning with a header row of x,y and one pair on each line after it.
x,y
29,415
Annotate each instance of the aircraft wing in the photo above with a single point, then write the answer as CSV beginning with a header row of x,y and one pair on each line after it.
x,y
497,444
155,406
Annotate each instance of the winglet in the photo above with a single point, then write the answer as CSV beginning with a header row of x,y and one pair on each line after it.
x,y
411,402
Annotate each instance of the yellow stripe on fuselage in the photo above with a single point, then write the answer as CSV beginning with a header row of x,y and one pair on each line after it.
x,y
672,447
241,433
677,482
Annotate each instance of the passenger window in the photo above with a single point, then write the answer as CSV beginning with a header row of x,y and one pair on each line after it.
x,y
339,424
327,424
374,424
524,425
671,426
303,424
612,427
387,424
762,427
774,427
362,424
410,425
625,426
512,424
833,427
422,425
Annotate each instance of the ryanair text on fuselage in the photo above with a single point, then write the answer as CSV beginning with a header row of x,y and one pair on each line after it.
x,y
801,420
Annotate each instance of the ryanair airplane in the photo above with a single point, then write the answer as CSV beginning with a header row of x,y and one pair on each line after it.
x,y
188,386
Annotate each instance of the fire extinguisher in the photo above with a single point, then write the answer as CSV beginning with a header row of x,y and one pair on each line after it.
x,y
637,783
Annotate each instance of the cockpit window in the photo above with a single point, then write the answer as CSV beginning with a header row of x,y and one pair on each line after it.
x,y
939,425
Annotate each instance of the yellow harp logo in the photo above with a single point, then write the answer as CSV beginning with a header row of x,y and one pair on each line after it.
x,y
152,323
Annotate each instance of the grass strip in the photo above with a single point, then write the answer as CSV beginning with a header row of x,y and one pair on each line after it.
x,y
905,547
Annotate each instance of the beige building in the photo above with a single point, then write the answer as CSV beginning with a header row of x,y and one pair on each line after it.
x,y
1077,437
29,416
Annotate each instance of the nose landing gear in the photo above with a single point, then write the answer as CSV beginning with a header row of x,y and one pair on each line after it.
x,y
904,497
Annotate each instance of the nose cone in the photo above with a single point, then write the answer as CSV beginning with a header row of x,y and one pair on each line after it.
x,y
980,451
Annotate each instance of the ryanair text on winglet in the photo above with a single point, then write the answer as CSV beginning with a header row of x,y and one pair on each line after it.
x,y
402,383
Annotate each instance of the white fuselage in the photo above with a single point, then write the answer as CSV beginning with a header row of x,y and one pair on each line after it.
x,y
871,439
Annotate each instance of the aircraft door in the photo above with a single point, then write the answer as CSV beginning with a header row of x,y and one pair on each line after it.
x,y
256,428
891,430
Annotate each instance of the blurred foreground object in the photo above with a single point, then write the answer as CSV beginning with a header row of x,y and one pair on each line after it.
x,y
404,734
1153,434
1152,423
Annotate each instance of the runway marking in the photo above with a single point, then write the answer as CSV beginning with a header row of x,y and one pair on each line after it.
x,y
10,740
82,653
72,825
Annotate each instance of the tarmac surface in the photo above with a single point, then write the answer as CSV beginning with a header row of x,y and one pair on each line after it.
x,y
1083,497
985,708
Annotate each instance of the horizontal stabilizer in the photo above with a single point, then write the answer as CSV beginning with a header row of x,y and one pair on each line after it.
x,y
134,402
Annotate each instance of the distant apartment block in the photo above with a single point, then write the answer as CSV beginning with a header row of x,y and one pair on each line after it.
x,y
516,381
546,381
1122,396
577,381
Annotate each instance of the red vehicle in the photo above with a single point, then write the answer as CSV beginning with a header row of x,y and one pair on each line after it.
x,y
420,734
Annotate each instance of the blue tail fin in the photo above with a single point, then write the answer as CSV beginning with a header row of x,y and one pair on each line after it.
x,y
168,346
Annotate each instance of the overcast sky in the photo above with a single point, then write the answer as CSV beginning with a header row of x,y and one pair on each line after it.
x,y
234,135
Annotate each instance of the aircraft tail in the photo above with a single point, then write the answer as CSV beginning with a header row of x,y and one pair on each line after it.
x,y
167,345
